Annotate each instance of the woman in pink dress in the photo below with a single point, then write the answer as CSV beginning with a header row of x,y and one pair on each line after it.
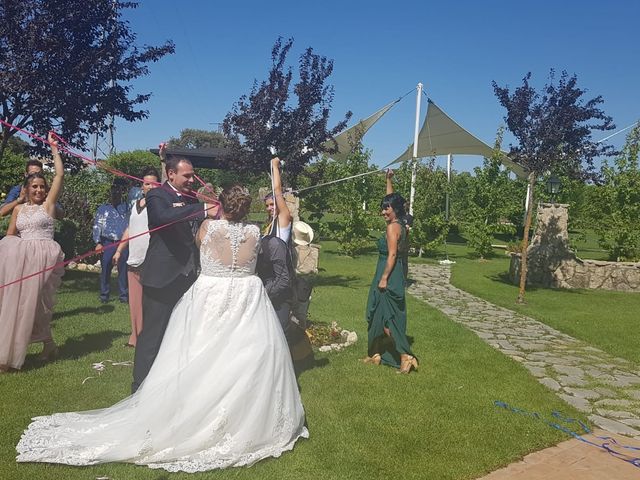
x,y
26,307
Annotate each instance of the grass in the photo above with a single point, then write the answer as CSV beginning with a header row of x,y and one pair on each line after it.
x,y
605,319
365,422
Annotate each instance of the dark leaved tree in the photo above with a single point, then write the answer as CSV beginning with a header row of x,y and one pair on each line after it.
x,y
267,116
553,130
69,66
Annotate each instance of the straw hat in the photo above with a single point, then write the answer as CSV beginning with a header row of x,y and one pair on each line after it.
x,y
302,233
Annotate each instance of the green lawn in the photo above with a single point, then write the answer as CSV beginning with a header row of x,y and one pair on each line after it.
x,y
365,422
605,319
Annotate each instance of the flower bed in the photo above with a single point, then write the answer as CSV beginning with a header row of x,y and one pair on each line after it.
x,y
330,337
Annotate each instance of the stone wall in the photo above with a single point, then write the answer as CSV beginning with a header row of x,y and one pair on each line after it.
x,y
552,264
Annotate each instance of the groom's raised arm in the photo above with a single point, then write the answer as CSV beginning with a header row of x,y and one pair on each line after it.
x,y
161,210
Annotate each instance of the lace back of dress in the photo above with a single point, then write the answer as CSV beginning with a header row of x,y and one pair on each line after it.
x,y
229,249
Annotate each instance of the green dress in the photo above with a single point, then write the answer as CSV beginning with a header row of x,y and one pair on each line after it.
x,y
388,308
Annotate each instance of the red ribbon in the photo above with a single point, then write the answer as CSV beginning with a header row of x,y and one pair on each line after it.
x,y
114,171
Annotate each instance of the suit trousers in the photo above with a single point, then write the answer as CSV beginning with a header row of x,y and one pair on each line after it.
x,y
157,305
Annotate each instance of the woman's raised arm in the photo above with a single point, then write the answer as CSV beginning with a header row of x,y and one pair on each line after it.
x,y
56,185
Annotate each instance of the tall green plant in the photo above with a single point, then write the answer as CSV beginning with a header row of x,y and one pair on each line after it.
x,y
489,201
11,170
353,200
617,203
430,227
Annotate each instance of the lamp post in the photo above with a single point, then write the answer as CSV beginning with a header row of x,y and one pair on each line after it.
x,y
553,187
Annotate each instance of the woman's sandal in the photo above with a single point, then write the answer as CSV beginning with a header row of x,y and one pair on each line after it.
x,y
407,362
374,360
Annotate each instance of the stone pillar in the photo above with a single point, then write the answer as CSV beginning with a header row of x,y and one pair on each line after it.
x,y
549,247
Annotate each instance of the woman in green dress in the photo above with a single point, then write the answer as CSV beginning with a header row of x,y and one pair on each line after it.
x,y
386,307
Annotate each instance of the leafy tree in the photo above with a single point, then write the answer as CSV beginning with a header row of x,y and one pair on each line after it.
x,y
617,203
11,170
553,131
491,199
83,193
430,226
352,199
194,138
69,66
267,117
133,162
316,202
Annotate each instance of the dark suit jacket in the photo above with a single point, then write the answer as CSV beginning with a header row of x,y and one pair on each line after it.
x,y
172,251
274,269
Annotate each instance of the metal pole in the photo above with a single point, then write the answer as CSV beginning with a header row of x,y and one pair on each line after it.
x,y
414,158
449,162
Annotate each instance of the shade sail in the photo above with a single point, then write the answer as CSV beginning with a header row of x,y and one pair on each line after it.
x,y
350,137
441,135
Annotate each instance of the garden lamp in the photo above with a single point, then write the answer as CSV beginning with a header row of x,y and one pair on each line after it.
x,y
553,186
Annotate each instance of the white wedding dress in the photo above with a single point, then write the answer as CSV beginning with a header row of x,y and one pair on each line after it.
x,y
221,392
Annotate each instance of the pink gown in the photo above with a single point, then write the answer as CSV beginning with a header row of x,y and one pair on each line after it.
x,y
26,307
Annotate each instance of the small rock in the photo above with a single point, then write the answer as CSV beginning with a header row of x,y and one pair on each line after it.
x,y
325,348
613,425
615,413
568,370
550,383
579,403
536,371
614,402
82,267
583,393
72,265
605,392
352,337
571,381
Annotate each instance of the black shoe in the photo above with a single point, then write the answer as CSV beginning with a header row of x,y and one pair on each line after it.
x,y
104,300
124,300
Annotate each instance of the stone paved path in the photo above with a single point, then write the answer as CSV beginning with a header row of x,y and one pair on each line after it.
x,y
605,387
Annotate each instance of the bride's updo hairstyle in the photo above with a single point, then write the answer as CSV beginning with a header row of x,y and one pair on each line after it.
x,y
235,202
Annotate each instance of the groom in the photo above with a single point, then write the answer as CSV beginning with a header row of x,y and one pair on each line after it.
x,y
171,263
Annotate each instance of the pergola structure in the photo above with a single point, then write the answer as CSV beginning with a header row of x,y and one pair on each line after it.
x,y
215,158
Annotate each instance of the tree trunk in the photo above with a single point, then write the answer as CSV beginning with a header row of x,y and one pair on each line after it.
x,y
5,140
525,240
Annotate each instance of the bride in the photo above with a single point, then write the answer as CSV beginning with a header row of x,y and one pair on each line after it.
x,y
222,390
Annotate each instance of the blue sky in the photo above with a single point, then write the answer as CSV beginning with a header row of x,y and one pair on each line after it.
x,y
381,50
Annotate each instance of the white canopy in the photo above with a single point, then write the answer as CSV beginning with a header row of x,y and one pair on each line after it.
x,y
440,135
349,138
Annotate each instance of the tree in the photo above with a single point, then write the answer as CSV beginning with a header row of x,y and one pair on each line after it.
x,y
430,225
11,170
617,203
68,66
490,200
352,200
553,129
268,118
194,138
